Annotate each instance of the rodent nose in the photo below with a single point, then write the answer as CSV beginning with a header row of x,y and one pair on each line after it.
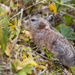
x,y
32,19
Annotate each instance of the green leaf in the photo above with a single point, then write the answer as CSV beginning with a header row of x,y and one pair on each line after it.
x,y
73,68
70,31
71,37
21,72
28,69
73,1
69,5
65,31
67,19
58,2
63,1
14,66
62,29
43,48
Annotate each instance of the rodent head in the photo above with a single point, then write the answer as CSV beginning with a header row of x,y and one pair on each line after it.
x,y
38,23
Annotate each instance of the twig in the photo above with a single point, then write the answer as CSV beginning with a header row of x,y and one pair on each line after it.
x,y
39,54
33,5
26,9
43,56
19,24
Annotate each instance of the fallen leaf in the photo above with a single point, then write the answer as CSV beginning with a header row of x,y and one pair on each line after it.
x,y
25,62
25,39
7,51
33,63
52,7
10,24
41,67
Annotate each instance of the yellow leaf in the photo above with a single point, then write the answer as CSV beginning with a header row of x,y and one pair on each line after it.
x,y
41,67
25,39
10,24
17,53
33,63
27,33
7,51
10,44
25,62
52,7
28,61
23,56
14,27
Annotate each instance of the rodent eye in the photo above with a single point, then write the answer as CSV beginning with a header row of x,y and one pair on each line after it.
x,y
32,19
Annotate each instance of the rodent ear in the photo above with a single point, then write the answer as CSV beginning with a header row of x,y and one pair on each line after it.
x,y
41,25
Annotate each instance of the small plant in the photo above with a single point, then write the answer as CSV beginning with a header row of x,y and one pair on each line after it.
x,y
63,3
3,30
67,32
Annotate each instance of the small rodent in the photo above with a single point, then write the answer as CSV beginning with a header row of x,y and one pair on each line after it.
x,y
43,34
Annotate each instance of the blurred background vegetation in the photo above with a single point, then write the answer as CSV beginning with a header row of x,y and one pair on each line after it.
x,y
19,55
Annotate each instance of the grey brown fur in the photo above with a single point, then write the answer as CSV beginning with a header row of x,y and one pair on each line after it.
x,y
45,35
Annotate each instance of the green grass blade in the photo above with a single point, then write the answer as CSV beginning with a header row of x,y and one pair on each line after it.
x,y
5,31
1,38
